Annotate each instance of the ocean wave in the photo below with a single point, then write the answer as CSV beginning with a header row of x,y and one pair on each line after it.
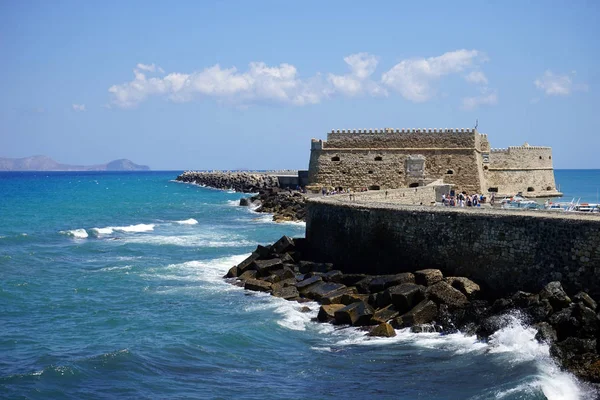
x,y
190,241
109,230
190,221
75,233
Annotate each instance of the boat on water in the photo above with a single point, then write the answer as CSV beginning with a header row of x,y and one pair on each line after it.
x,y
573,206
519,201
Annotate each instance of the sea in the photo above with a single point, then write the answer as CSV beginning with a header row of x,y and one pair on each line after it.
x,y
111,288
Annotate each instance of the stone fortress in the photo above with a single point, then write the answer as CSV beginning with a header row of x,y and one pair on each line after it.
x,y
400,158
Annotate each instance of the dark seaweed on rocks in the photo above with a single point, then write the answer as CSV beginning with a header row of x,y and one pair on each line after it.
x,y
425,301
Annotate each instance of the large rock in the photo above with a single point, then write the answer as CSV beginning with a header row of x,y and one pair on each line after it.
x,y
233,272
351,279
383,330
257,285
337,296
250,274
363,285
428,277
309,266
404,297
423,313
355,314
284,283
585,298
556,295
264,267
350,298
244,202
383,282
523,299
247,263
545,333
327,312
302,285
283,245
321,289
384,315
464,285
442,293
287,293
333,276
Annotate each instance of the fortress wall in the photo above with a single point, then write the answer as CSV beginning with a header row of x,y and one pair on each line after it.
x,y
401,140
504,250
521,157
359,169
510,182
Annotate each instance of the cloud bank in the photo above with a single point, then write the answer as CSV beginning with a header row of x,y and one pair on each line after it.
x,y
414,79
558,85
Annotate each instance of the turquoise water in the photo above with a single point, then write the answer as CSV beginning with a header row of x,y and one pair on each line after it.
x,y
577,184
110,287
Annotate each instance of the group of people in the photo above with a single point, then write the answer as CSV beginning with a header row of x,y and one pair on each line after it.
x,y
462,199
331,191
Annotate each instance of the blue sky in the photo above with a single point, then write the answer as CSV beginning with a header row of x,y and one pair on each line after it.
x,y
239,84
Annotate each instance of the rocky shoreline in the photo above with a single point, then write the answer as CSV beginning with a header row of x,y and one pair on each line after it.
x,y
284,204
244,182
425,301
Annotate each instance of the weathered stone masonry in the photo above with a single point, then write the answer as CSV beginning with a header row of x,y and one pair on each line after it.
x,y
504,250
394,158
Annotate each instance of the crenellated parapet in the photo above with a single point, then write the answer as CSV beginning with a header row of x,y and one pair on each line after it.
x,y
404,130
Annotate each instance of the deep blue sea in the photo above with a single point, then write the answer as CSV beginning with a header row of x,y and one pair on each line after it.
x,y
110,287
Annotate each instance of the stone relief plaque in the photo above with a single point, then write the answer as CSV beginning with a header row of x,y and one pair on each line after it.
x,y
415,166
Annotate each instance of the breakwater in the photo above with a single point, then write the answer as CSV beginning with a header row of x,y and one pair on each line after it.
x,y
246,182
503,250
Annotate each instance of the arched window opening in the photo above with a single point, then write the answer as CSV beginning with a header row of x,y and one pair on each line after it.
x,y
450,172
336,158
414,184
549,157
370,172
549,188
485,167
378,158
374,187
530,189
540,157
493,190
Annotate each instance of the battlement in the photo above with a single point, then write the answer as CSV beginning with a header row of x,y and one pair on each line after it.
x,y
519,148
404,130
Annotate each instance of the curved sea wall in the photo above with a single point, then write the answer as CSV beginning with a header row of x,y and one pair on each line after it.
x,y
505,250
239,181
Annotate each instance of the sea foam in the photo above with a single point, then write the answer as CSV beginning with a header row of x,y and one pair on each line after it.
x,y
76,233
190,221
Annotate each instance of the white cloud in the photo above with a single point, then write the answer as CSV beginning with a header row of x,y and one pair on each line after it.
x,y
78,107
362,66
487,98
558,85
476,77
413,78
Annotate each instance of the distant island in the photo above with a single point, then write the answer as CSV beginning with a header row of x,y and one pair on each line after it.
x,y
44,163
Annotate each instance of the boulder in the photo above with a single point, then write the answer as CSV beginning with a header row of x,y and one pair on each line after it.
x,y
309,266
565,323
336,296
333,276
539,312
244,202
263,252
464,285
424,328
383,330
428,277
583,297
380,283
524,299
271,279
286,258
257,285
247,263
321,289
264,267
571,346
350,298
287,293
423,313
327,312
363,285
232,273
250,274
352,279
285,273
556,295
283,283
284,244
307,282
589,322
502,304
545,333
492,324
441,292
355,314
404,297
384,315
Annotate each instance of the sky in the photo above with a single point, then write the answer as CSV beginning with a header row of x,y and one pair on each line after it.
x,y
246,85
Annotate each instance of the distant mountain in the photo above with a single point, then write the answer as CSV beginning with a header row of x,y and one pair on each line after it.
x,y
44,163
